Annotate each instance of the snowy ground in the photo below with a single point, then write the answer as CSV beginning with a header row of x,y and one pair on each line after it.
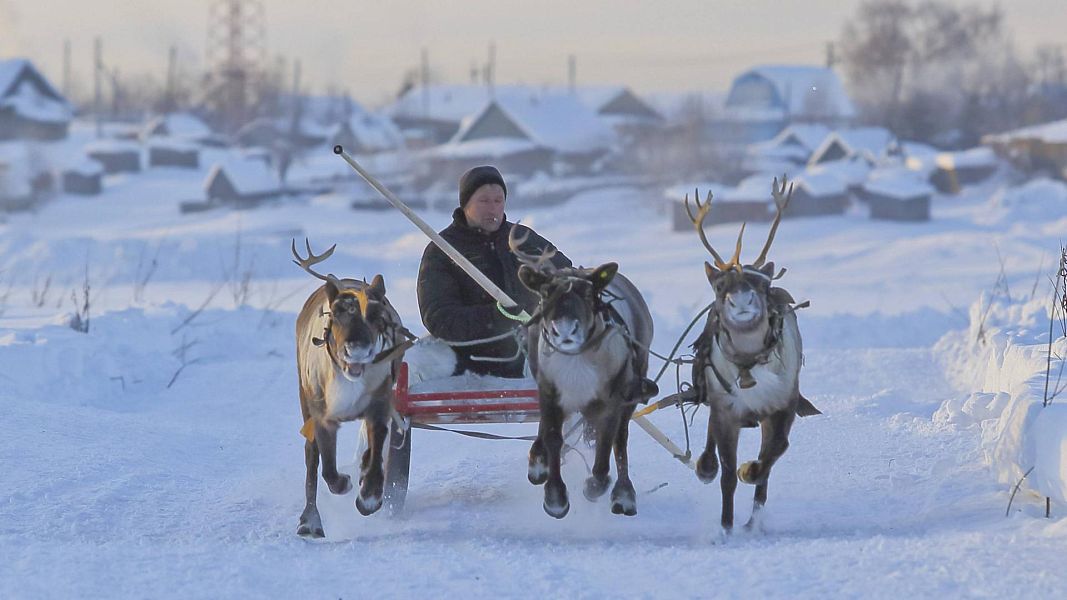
x,y
116,485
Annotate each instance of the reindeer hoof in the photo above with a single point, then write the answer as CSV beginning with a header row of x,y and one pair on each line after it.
x,y
556,503
595,487
309,532
310,524
340,486
749,472
624,499
368,506
556,511
538,472
707,467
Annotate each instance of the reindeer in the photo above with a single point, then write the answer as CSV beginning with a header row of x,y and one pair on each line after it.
x,y
347,356
588,355
747,365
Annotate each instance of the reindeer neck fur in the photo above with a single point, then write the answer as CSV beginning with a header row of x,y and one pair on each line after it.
x,y
342,399
776,373
589,374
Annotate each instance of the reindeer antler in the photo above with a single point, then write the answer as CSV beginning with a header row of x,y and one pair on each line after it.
x,y
311,260
781,201
698,222
539,262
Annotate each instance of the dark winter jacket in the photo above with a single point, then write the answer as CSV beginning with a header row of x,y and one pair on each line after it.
x,y
455,308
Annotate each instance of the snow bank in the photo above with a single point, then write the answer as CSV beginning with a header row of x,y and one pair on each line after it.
x,y
1002,357
1037,202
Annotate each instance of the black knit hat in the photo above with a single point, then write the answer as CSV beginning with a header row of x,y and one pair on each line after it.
x,y
476,178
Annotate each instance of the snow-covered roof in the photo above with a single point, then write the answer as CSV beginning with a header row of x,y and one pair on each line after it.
x,y
453,103
84,165
852,171
31,97
109,146
821,183
678,193
177,145
897,182
870,143
804,135
177,125
798,90
753,188
497,147
247,175
1054,132
374,132
973,158
559,121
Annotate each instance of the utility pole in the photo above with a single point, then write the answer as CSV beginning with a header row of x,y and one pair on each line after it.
x,y
169,102
572,73
98,60
66,68
424,81
490,69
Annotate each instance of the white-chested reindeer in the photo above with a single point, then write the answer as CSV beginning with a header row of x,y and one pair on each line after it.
x,y
590,356
346,335
747,367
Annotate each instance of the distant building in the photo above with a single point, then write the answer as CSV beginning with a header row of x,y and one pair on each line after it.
x,y
30,107
817,194
897,194
164,152
765,100
83,178
116,156
524,135
180,126
241,182
872,144
434,114
1035,148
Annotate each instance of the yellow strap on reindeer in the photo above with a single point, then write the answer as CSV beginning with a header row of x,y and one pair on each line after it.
x,y
308,431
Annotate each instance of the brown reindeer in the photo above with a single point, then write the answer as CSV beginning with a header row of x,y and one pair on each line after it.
x,y
747,366
346,336
588,355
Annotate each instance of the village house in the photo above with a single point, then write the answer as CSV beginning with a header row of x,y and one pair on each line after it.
x,y
765,100
30,107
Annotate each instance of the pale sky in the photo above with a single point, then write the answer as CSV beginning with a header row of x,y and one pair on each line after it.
x,y
366,46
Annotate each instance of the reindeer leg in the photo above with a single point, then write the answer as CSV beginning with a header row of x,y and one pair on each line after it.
x,y
726,443
774,443
708,463
623,496
556,503
326,440
537,472
597,483
371,488
310,522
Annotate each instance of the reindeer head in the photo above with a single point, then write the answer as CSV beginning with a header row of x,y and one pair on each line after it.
x,y
360,324
568,297
741,291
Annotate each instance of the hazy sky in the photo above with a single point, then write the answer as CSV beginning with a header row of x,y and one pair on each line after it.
x,y
366,46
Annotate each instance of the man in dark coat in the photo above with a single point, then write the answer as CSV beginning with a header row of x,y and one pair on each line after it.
x,y
454,307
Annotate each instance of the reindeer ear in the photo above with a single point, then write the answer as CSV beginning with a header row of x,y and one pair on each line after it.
x,y
603,275
768,269
331,291
711,272
377,287
531,277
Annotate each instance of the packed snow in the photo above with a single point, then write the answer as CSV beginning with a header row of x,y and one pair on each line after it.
x,y
158,455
